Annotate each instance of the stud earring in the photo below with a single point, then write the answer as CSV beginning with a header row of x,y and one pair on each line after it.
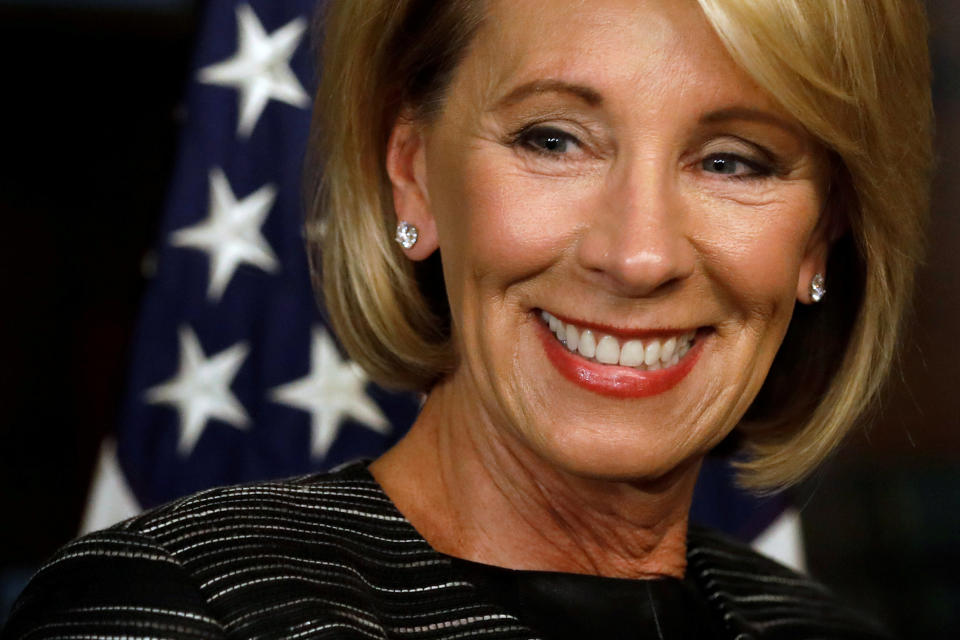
x,y
407,235
818,288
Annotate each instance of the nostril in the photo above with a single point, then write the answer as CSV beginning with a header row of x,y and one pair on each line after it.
x,y
636,267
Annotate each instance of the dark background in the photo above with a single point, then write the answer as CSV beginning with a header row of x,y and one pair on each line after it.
x,y
91,90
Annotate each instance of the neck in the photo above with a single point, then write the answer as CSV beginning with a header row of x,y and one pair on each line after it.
x,y
475,492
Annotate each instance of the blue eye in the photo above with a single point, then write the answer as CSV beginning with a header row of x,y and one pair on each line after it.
x,y
548,141
727,164
553,143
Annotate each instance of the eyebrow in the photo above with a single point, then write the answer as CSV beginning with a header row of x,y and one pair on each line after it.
x,y
536,87
593,98
749,113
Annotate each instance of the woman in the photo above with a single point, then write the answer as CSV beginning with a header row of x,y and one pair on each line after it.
x,y
626,198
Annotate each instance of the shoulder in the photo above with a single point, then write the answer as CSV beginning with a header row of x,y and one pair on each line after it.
x,y
760,598
194,567
224,532
347,494
113,583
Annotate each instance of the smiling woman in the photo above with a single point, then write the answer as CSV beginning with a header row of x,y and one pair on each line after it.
x,y
552,182
577,115
628,200
625,201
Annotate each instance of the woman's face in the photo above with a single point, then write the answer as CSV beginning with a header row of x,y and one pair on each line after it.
x,y
606,162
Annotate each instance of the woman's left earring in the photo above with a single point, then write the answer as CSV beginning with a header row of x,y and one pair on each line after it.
x,y
407,235
818,288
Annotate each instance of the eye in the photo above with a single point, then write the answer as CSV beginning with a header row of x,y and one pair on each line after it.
x,y
728,164
547,141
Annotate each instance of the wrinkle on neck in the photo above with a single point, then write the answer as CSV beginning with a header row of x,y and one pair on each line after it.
x,y
474,491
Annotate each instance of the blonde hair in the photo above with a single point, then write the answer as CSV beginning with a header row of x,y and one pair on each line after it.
x,y
855,73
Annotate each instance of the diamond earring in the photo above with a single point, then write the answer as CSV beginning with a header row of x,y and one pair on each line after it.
x,y
407,235
818,288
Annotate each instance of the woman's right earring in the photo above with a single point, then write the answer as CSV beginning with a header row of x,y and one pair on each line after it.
x,y
818,287
407,235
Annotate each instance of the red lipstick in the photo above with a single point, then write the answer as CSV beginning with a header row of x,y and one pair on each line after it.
x,y
615,380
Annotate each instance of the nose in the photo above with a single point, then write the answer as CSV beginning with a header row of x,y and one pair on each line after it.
x,y
635,242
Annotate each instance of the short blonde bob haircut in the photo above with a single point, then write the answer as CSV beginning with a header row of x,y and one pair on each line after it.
x,y
855,73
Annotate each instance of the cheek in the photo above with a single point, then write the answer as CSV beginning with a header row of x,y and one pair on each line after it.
x,y
755,252
502,224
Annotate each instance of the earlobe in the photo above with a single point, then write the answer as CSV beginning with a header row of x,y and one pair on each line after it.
x,y
811,281
407,169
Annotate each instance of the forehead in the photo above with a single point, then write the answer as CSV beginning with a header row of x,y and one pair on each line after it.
x,y
632,49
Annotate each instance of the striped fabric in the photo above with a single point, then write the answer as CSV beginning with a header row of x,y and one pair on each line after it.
x,y
329,556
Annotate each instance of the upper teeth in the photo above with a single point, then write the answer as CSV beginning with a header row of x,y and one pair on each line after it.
x,y
647,354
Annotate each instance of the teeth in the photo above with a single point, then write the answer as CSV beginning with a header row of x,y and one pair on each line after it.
x,y
668,349
572,337
631,355
648,355
651,353
588,344
608,350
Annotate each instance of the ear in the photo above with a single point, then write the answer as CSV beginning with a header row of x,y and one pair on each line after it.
x,y
407,168
814,262
829,228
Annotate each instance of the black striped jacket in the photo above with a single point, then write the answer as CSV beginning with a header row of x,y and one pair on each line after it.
x,y
329,556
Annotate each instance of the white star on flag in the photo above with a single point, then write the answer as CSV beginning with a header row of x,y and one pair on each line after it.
x,y
200,390
231,232
333,390
260,69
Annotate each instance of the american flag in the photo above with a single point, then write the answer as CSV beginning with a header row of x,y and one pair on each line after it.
x,y
235,375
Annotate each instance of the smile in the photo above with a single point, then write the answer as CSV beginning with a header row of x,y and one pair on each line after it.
x,y
621,364
646,355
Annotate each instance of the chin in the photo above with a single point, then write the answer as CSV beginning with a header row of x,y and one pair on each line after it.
x,y
628,456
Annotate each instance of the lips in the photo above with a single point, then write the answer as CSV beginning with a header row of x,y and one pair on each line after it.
x,y
593,367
